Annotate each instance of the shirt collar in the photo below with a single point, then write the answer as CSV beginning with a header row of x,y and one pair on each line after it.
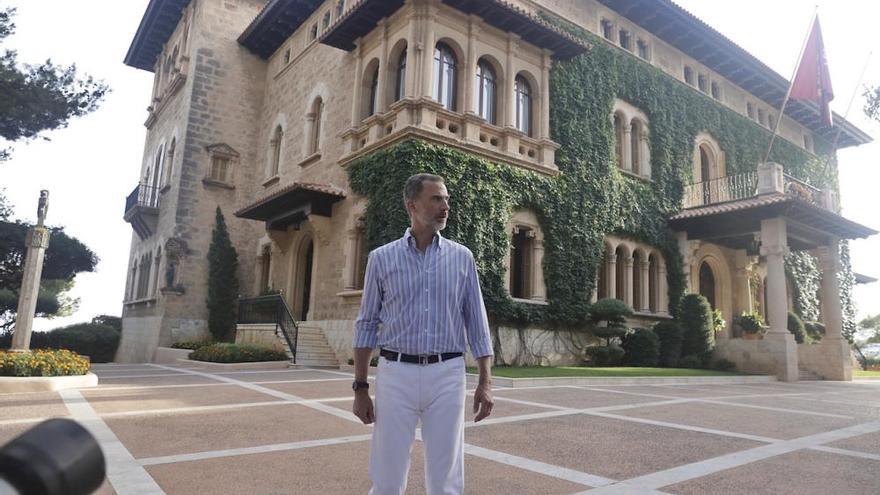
x,y
437,241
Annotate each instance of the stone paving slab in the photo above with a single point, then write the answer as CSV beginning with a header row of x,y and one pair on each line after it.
x,y
869,443
181,379
31,405
812,403
575,398
796,473
285,375
318,390
120,400
772,424
151,436
605,447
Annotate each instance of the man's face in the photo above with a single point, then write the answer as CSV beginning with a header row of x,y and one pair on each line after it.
x,y
431,208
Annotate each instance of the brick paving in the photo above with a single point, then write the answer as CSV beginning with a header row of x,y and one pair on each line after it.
x,y
189,429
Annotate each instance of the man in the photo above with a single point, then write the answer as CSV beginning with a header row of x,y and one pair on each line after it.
x,y
424,291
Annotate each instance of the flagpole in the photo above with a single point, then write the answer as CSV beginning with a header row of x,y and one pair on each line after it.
x,y
790,85
852,98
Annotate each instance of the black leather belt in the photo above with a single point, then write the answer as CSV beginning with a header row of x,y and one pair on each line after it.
x,y
418,358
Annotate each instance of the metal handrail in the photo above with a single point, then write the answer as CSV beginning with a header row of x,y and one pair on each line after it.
x,y
270,309
143,195
720,190
861,357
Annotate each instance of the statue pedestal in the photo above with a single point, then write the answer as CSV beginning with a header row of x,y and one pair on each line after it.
x,y
37,241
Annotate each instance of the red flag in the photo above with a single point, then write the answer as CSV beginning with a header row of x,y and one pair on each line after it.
x,y
812,81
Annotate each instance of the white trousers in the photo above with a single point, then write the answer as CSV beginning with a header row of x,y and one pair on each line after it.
x,y
405,394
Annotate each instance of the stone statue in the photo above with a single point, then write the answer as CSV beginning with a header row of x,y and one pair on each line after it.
x,y
42,207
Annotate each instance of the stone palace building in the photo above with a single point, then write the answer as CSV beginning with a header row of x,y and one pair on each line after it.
x,y
644,128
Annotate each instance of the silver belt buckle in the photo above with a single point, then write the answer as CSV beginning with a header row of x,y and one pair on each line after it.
x,y
423,359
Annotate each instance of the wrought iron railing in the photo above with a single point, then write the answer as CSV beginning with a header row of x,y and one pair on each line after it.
x,y
860,356
801,190
270,309
143,195
720,190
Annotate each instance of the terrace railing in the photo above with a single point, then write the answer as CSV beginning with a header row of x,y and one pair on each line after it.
x,y
270,309
720,190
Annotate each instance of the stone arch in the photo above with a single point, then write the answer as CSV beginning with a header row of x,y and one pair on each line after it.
x,y
369,89
395,88
314,126
715,259
459,84
535,104
497,98
276,146
708,159
301,279
525,258
356,252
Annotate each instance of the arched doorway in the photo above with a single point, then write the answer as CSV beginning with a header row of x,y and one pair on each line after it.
x,y
306,275
707,284
301,280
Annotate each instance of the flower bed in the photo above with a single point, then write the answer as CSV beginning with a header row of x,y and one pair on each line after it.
x,y
43,362
235,353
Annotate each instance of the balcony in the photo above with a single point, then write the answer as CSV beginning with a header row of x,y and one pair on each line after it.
x,y
142,210
426,119
743,186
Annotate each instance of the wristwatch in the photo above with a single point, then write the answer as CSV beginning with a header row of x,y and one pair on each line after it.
x,y
356,385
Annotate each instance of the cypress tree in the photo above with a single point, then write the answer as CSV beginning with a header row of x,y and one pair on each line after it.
x,y
222,282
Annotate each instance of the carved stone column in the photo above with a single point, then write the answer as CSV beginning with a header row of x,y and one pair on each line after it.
x,y
779,342
470,104
626,148
37,241
837,364
612,276
382,83
662,289
628,281
540,293
645,289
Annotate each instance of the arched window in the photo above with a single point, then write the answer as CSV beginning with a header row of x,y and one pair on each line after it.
x,y
486,90
157,169
636,146
315,118
523,105
525,274
638,297
620,291
169,161
400,90
618,139
521,263
707,283
275,160
445,76
265,268
156,263
374,92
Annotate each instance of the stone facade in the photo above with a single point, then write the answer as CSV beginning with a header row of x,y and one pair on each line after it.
x,y
301,114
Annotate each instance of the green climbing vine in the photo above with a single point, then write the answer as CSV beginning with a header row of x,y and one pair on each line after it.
x,y
591,198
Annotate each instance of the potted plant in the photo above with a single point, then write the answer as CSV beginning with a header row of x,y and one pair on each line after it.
x,y
752,324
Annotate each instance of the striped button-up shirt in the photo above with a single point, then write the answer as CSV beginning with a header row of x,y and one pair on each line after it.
x,y
426,303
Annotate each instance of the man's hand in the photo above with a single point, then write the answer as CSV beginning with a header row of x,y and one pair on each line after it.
x,y
483,402
363,406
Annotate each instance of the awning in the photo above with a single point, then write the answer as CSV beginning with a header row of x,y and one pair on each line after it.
x,y
292,204
734,223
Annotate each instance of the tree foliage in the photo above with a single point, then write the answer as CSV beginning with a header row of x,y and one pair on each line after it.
x,y
222,282
872,102
40,97
64,258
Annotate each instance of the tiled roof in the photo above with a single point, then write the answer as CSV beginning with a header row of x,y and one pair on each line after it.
x,y
327,189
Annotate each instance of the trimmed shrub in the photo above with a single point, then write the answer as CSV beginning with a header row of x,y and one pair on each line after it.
x,y
604,355
43,363
610,310
796,327
815,329
222,282
97,341
191,345
692,361
641,348
670,335
750,322
235,353
698,325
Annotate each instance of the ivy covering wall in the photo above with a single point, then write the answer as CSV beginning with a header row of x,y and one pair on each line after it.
x,y
591,197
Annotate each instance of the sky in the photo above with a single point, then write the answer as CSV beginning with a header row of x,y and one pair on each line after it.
x,y
92,165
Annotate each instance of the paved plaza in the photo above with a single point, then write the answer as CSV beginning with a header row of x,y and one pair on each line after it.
x,y
195,430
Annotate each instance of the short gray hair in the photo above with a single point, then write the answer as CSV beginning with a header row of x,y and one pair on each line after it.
x,y
415,184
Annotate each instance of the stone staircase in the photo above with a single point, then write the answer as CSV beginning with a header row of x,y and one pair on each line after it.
x,y
313,349
807,375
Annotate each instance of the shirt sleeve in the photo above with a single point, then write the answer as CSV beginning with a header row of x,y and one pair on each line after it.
x,y
474,311
366,326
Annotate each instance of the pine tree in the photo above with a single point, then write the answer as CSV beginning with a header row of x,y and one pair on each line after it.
x,y
222,282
